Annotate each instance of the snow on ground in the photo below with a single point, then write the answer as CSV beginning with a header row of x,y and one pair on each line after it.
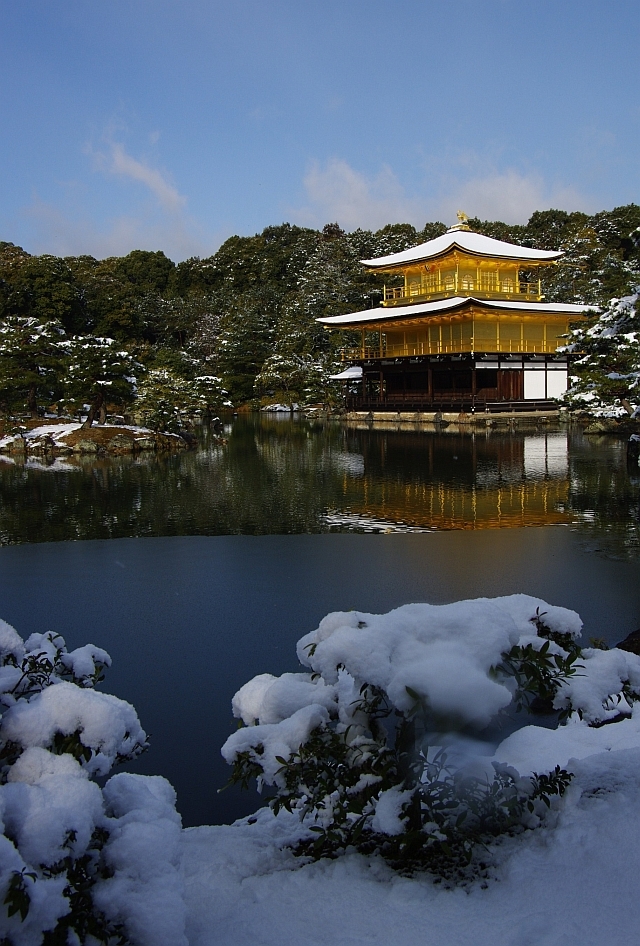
x,y
57,432
279,408
573,884
575,881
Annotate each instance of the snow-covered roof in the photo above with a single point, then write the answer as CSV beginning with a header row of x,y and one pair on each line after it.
x,y
349,374
466,240
381,314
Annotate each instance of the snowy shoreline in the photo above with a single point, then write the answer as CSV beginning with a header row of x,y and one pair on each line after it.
x,y
71,439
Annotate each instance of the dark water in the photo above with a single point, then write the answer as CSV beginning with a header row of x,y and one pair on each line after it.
x,y
188,619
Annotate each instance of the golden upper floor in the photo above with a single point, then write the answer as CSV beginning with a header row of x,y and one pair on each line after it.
x,y
463,263
460,275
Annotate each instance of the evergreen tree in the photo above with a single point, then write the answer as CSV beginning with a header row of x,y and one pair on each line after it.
x,y
244,342
607,372
40,287
170,402
99,371
32,357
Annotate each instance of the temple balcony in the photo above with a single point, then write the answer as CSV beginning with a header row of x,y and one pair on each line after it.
x,y
481,346
456,285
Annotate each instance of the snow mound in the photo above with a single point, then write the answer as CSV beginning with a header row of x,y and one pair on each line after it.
x,y
276,740
107,726
442,653
146,890
73,853
269,699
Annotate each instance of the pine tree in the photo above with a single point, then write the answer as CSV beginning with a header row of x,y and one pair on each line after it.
x,y
32,357
607,371
99,371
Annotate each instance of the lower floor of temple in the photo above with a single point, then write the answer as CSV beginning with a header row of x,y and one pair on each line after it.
x,y
465,382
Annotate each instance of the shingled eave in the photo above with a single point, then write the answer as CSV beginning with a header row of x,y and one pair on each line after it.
x,y
402,313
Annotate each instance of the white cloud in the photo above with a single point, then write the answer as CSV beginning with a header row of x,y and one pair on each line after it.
x,y
508,196
336,191
116,161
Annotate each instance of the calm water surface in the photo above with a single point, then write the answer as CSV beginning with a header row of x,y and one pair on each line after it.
x,y
189,610
278,476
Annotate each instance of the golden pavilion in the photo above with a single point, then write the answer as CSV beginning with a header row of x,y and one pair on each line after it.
x,y
468,330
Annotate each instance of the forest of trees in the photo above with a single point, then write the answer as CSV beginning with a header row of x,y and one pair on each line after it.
x,y
239,327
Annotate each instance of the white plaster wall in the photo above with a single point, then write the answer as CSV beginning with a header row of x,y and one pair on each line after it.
x,y
534,386
556,382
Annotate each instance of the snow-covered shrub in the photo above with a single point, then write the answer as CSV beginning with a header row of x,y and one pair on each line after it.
x,y
79,863
383,746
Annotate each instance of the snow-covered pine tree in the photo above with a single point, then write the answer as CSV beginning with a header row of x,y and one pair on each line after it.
x,y
606,380
32,358
98,370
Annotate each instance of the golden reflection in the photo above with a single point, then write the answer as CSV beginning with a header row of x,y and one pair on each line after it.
x,y
491,485
436,506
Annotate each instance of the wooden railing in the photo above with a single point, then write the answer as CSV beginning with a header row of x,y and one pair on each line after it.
x,y
445,348
459,286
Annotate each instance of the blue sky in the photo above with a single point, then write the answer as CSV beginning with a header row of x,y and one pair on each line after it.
x,y
171,124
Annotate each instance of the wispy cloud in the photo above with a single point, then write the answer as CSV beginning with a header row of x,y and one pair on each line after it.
x,y
115,160
160,223
336,191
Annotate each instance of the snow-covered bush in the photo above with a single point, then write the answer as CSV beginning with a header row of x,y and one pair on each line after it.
x,y
79,863
383,745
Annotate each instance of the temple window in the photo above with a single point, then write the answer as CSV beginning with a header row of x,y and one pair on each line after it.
x,y
467,282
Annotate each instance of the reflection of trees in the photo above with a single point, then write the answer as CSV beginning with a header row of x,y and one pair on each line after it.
x,y
280,476
604,496
263,481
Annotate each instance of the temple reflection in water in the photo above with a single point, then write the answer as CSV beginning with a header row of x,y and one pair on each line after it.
x,y
412,482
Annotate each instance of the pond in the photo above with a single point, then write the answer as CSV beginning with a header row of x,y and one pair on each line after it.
x,y
280,476
189,610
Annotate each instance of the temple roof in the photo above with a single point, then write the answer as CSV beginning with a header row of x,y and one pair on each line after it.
x,y
381,314
468,242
